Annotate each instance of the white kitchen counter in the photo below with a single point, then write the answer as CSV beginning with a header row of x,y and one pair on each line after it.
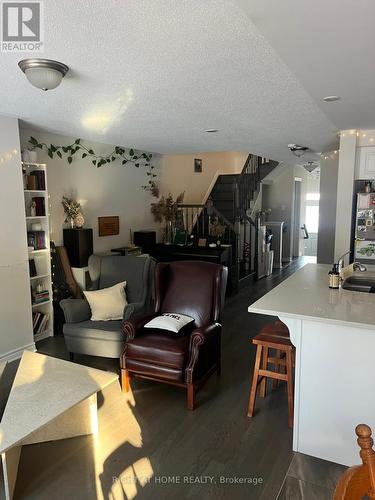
x,y
334,335
306,295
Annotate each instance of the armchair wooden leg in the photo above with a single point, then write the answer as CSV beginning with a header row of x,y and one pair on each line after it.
x,y
190,397
125,380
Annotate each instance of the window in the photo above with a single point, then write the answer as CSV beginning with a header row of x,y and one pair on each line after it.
x,y
313,196
312,218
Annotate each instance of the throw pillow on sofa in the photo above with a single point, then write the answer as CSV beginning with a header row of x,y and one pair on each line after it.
x,y
172,322
108,303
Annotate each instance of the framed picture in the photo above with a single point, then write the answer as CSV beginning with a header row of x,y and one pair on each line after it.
x,y
109,226
197,165
202,242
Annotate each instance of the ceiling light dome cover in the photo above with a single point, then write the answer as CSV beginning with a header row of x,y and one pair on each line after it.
x,y
44,74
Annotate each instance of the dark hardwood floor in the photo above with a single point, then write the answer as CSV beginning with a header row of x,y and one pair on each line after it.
x,y
159,450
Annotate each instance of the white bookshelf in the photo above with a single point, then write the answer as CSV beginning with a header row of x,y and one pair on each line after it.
x,y
41,257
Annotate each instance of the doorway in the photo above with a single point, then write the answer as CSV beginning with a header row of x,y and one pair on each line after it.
x,y
311,212
297,217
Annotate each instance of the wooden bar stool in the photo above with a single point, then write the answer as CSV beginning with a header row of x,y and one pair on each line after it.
x,y
273,336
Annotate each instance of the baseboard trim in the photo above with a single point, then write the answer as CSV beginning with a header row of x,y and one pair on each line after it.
x,y
17,353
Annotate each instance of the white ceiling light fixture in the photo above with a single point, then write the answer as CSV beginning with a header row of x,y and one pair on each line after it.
x,y
298,150
44,74
331,98
310,166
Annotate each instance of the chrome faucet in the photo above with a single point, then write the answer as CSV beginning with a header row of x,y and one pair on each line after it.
x,y
358,266
340,262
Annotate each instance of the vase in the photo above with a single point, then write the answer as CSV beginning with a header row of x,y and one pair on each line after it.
x,y
29,156
79,221
168,232
71,220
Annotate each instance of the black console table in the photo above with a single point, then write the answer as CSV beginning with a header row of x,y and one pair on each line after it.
x,y
218,255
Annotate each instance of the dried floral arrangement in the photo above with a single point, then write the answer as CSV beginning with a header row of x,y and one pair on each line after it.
x,y
71,208
217,230
166,208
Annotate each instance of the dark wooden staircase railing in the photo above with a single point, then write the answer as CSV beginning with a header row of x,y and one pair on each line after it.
x,y
231,206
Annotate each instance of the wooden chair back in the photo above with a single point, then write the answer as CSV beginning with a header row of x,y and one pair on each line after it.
x,y
358,481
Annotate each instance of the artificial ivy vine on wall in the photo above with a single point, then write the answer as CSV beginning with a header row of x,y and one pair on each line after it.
x,y
118,153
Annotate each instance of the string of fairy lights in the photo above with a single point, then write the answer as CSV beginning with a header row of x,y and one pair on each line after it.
x,y
330,154
367,138
8,156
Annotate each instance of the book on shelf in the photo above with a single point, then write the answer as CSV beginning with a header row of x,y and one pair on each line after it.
x,y
40,321
36,240
32,268
40,297
40,208
36,180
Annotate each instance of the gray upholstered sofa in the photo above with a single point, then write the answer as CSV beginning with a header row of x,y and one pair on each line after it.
x,y
105,338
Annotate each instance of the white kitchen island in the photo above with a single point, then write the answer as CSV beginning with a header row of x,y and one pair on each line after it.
x,y
334,335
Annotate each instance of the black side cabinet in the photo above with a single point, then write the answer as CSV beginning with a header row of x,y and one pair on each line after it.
x,y
78,244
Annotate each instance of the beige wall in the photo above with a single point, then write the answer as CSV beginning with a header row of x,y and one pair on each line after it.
x,y
110,190
177,173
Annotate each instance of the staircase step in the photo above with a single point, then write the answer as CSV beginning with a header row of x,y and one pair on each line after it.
x,y
227,179
228,215
224,205
222,196
267,168
223,188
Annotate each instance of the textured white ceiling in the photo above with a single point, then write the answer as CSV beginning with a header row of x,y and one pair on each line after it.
x,y
330,47
156,74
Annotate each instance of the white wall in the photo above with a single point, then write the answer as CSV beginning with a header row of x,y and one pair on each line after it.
x,y
110,190
345,184
278,195
15,300
177,173
329,165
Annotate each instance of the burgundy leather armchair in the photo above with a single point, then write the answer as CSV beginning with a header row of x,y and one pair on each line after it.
x,y
186,359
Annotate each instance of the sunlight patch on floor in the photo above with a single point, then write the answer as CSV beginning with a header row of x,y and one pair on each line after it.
x,y
115,442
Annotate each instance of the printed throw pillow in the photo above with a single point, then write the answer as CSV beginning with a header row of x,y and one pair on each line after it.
x,y
108,303
173,322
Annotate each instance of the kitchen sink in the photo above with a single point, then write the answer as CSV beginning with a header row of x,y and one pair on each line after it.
x,y
364,282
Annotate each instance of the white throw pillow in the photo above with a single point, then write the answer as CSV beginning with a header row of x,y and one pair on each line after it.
x,y
172,322
108,303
